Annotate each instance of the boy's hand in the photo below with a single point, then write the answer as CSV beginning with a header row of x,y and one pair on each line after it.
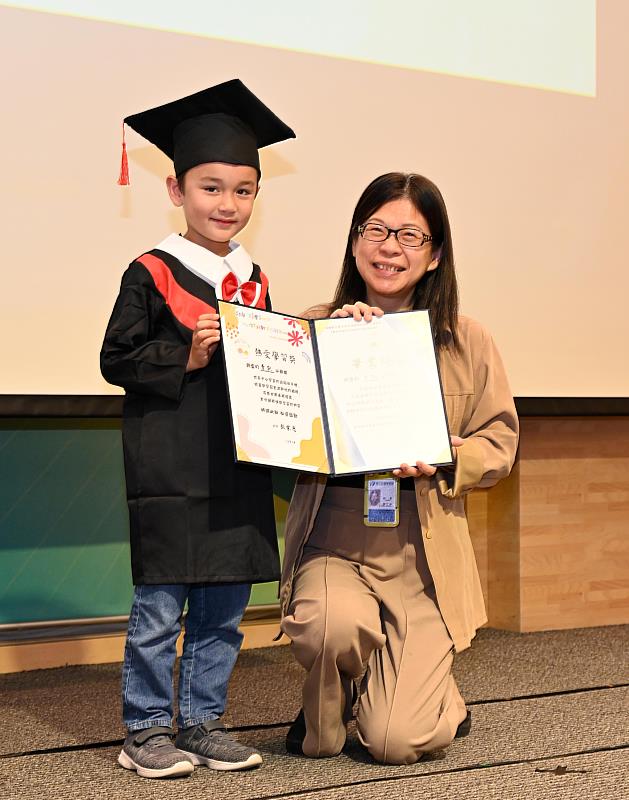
x,y
205,339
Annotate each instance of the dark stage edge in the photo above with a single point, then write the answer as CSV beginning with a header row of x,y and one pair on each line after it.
x,y
29,406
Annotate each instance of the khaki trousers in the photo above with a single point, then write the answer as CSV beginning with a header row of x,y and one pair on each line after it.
x,y
363,600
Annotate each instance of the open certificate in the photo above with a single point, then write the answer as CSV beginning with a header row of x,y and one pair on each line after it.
x,y
333,396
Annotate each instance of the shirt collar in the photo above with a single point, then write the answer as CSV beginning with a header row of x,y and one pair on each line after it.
x,y
207,265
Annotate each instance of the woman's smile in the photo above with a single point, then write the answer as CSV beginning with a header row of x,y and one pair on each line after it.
x,y
388,268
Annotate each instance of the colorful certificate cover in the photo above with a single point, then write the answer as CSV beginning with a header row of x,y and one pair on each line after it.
x,y
333,395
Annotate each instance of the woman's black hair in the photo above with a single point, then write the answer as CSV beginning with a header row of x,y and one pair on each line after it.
x,y
437,290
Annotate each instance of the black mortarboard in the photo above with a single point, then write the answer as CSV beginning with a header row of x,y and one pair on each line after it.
x,y
224,123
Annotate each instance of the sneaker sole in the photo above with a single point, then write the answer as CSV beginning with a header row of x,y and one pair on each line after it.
x,y
184,767
254,760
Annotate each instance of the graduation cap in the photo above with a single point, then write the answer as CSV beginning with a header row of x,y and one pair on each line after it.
x,y
224,123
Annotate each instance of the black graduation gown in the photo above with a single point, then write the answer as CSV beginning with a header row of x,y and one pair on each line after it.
x,y
196,516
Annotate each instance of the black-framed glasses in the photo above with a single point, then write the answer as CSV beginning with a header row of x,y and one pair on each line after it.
x,y
407,237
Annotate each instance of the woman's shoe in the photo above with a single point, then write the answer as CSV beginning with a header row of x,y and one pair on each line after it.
x,y
297,732
464,727
296,735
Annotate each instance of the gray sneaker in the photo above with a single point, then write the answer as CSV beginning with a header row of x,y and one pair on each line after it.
x,y
210,745
152,754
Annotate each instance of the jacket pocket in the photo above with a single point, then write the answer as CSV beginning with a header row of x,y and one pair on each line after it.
x,y
457,404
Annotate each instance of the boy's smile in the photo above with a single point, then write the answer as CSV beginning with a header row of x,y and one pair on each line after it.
x,y
217,201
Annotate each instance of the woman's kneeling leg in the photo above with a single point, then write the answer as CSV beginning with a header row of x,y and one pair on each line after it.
x,y
334,625
410,703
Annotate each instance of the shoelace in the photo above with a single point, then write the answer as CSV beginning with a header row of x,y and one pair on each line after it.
x,y
159,741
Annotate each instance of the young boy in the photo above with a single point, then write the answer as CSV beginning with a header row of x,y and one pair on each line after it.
x,y
202,526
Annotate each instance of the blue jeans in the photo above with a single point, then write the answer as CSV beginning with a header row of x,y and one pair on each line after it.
x,y
210,649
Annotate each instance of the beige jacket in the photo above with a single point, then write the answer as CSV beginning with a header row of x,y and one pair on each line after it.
x,y
480,409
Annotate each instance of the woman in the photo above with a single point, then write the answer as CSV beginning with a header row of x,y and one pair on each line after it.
x,y
393,604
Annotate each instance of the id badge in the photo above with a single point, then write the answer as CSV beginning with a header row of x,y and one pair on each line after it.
x,y
382,500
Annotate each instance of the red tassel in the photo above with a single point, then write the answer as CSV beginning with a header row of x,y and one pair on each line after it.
x,y
123,179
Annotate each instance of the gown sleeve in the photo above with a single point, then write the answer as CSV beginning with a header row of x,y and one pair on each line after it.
x,y
140,352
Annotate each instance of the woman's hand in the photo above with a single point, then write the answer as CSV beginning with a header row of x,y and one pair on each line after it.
x,y
358,311
416,471
420,468
456,442
205,339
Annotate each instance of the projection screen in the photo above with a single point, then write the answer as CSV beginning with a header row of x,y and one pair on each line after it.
x,y
515,108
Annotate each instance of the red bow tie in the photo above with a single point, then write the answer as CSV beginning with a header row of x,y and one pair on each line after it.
x,y
246,293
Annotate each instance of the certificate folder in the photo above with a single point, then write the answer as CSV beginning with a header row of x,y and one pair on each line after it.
x,y
333,396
